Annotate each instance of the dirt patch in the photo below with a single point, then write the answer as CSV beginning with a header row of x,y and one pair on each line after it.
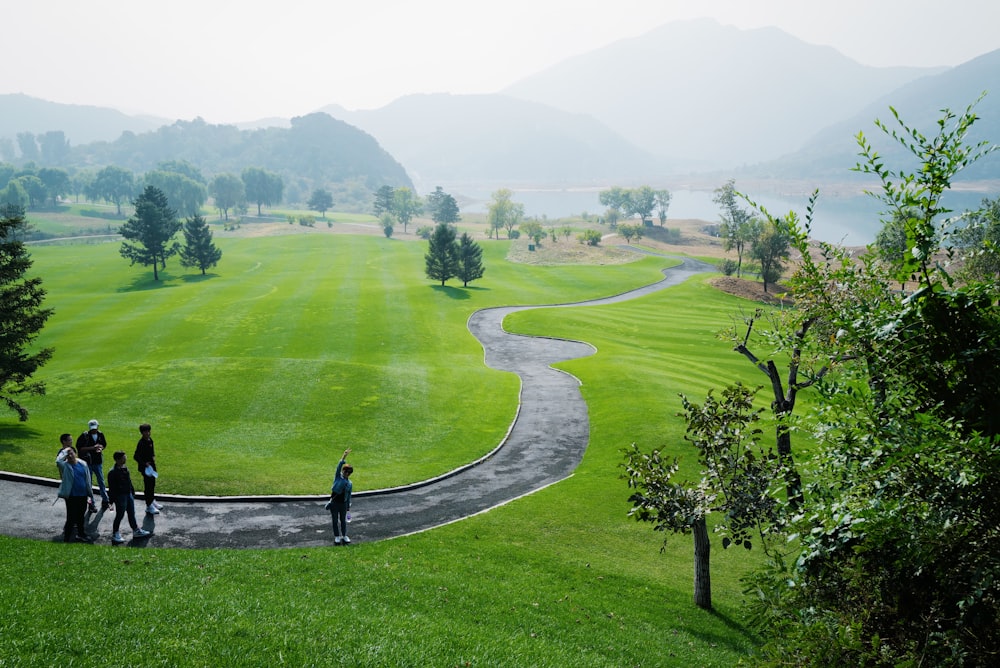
x,y
753,290
569,251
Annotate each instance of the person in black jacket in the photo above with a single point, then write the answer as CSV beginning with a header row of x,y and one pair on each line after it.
x,y
89,447
123,496
145,457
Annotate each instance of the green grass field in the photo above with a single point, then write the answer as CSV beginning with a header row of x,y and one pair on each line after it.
x,y
304,343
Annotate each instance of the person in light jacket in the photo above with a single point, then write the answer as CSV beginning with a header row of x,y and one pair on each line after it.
x,y
75,487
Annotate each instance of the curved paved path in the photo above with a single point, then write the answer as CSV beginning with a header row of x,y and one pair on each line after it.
x,y
545,444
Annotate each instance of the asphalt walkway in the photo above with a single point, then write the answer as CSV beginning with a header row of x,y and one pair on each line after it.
x,y
544,445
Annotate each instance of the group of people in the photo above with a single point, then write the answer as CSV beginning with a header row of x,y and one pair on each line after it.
x,y
79,465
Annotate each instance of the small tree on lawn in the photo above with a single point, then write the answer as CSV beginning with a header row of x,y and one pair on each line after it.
x,y
470,260
199,250
149,233
21,316
321,200
735,479
442,254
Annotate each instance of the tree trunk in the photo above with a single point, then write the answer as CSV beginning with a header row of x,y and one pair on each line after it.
x,y
702,575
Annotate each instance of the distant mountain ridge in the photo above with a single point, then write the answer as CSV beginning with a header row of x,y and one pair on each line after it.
x,y
685,99
708,96
832,151
468,139
81,124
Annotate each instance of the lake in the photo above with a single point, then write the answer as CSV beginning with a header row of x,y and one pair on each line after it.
x,y
852,220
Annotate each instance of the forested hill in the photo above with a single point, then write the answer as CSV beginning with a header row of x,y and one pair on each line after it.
x,y
316,148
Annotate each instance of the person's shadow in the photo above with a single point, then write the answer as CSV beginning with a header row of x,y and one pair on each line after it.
x,y
92,523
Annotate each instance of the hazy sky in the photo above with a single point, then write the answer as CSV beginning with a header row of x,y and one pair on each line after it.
x,y
238,60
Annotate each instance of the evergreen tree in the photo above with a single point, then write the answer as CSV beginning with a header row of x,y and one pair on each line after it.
x,y
149,233
199,250
383,201
442,207
442,254
470,260
21,315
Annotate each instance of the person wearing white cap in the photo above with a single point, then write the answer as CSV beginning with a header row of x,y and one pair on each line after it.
x,y
89,446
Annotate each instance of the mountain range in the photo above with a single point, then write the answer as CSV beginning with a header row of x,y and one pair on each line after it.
x,y
685,98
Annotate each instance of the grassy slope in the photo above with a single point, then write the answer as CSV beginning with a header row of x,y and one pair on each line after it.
x,y
299,346
558,578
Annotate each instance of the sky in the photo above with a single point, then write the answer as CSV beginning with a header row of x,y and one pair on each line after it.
x,y
228,61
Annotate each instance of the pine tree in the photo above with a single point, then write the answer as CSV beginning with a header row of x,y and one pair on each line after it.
x,y
442,254
21,315
150,231
470,260
199,250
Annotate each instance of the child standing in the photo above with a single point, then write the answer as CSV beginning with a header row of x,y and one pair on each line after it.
x,y
340,499
123,497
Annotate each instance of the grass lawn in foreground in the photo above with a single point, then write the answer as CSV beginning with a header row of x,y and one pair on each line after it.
x,y
294,348
559,578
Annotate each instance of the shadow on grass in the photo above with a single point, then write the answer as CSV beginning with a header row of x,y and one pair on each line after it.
x,y
145,282
21,433
451,291
198,278
746,635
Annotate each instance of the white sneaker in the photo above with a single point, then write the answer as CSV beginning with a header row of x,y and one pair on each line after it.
x,y
336,540
346,540
151,509
157,505
117,539
141,533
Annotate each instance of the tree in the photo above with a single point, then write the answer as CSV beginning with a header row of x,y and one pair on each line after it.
x,y
892,560
113,184
321,200
503,212
629,231
54,147
21,316
34,188
28,145
199,250
770,248
405,205
641,202
616,198
736,473
14,195
56,182
663,198
533,230
442,254
262,187
383,201
185,194
442,207
228,191
387,221
149,233
980,240
589,237
470,260
738,228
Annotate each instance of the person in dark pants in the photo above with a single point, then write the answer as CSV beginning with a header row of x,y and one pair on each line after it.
x,y
123,497
89,447
340,499
145,457
75,487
